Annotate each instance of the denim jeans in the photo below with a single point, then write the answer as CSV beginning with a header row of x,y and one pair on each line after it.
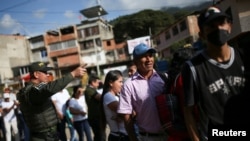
x,y
122,137
72,133
22,127
83,126
61,129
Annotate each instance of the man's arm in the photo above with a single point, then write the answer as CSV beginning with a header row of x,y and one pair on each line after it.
x,y
45,90
7,110
98,97
190,91
76,112
129,125
190,123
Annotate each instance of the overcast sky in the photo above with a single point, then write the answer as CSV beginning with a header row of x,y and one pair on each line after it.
x,y
34,17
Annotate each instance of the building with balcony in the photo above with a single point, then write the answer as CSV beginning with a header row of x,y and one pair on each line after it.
x,y
38,49
185,29
63,49
96,40
97,45
15,57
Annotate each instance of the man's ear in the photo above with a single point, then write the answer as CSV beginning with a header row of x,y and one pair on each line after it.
x,y
35,74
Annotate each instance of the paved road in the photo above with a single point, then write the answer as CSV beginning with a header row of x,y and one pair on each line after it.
x,y
68,134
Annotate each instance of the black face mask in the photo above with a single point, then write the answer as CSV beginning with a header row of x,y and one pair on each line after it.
x,y
218,37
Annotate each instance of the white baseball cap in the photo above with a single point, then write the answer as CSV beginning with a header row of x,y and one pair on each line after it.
x,y
6,95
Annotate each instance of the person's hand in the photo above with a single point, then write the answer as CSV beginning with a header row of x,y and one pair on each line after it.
x,y
60,115
16,102
83,113
80,71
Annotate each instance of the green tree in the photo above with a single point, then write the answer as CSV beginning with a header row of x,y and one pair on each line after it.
x,y
139,24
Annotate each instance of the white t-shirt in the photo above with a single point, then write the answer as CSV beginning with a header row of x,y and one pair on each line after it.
x,y
113,125
60,99
79,104
13,97
11,115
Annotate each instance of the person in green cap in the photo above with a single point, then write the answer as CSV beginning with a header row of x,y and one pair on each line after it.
x,y
35,101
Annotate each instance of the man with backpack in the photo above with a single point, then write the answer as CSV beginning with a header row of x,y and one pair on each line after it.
x,y
212,76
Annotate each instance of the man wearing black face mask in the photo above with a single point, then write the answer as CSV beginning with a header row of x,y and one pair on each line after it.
x,y
212,76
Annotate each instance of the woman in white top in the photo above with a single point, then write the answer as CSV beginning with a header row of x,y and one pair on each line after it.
x,y
77,107
110,99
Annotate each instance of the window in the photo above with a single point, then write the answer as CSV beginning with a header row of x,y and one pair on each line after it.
x,y
98,42
158,41
43,53
108,43
167,35
95,30
183,26
87,32
81,33
63,45
67,30
56,46
91,31
175,30
37,44
69,44
81,46
87,45
120,51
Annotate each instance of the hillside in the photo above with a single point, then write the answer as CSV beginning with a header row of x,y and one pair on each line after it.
x,y
149,21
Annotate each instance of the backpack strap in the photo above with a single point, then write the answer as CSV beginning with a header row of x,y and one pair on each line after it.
x,y
164,76
175,81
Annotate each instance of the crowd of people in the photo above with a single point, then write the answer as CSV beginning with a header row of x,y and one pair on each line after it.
x,y
205,82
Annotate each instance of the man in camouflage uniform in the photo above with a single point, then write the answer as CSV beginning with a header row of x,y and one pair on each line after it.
x,y
35,102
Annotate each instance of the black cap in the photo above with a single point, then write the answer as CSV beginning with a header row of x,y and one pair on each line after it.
x,y
39,66
209,15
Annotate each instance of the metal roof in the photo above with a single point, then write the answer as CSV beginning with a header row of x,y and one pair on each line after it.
x,y
93,12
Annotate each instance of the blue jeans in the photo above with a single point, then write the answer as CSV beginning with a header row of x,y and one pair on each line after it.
x,y
83,126
72,134
22,126
122,137
61,129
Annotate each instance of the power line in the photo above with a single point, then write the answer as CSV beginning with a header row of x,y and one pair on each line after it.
x,y
109,10
14,6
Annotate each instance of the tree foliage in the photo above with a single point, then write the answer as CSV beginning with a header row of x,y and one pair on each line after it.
x,y
140,24
149,21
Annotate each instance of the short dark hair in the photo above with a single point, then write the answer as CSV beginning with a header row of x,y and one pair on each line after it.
x,y
75,88
93,78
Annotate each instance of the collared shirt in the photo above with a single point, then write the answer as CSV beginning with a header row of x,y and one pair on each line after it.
x,y
138,94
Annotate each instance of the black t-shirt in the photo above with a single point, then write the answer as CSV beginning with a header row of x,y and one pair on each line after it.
x,y
209,84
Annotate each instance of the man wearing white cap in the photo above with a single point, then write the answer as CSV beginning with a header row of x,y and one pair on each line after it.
x,y
9,117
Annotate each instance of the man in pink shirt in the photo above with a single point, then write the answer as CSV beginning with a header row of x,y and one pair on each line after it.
x,y
138,95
